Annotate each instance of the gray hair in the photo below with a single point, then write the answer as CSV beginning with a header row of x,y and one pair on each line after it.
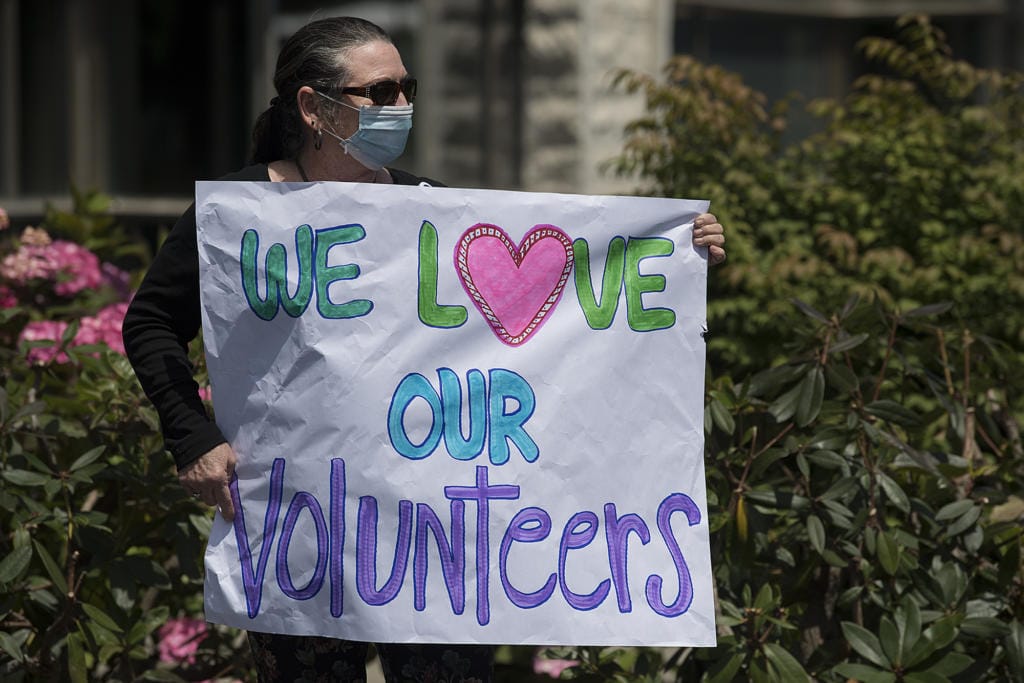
x,y
315,55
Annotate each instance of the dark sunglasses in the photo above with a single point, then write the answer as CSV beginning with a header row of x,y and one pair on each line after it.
x,y
384,93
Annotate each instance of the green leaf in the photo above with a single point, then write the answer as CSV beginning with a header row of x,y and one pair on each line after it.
x,y
924,677
940,634
894,493
724,670
87,458
892,411
101,617
784,406
984,627
965,522
889,637
864,673
25,478
848,343
787,666
865,644
809,311
54,572
77,671
812,391
929,310
954,509
1015,648
15,563
721,417
816,533
952,664
888,553
11,646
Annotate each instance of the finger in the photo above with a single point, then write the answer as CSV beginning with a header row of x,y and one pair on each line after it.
x,y
704,219
224,502
708,240
716,255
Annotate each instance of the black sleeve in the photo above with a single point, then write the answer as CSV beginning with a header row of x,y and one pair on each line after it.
x,y
161,321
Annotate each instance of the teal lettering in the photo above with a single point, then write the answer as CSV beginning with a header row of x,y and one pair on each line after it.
x,y
326,239
276,273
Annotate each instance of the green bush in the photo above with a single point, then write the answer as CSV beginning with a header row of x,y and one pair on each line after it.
x,y
866,489
100,548
912,191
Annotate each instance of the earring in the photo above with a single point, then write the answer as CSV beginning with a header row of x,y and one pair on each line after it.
x,y
318,140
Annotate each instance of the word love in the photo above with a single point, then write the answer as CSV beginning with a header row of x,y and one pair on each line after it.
x,y
514,287
419,523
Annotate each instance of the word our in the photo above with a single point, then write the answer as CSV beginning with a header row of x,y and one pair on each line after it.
x,y
418,522
621,272
489,418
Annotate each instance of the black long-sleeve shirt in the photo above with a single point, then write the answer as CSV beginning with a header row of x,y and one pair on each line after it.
x,y
165,316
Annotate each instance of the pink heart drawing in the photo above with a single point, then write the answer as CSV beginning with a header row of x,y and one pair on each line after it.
x,y
514,288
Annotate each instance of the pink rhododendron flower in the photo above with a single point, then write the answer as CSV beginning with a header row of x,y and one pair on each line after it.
x,y
44,329
78,267
5,220
37,237
30,262
103,328
74,267
179,640
7,298
551,667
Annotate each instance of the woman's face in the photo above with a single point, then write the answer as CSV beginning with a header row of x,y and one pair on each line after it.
x,y
368,64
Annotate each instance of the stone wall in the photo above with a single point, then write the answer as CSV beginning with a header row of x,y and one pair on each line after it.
x,y
520,94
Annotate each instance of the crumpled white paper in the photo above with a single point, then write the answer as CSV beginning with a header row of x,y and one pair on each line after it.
x,y
358,436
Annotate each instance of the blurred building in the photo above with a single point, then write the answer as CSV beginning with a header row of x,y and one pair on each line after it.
x,y
139,98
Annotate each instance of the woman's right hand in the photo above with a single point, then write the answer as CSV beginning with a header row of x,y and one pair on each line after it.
x,y
208,478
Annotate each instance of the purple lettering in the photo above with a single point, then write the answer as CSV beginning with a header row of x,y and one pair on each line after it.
x,y
302,501
530,525
453,556
337,537
252,581
617,530
482,493
366,552
675,502
571,540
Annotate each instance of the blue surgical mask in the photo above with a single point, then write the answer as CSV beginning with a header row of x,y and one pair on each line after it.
x,y
382,134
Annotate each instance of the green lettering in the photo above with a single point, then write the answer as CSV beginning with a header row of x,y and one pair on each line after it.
x,y
276,273
431,313
325,275
599,314
646,319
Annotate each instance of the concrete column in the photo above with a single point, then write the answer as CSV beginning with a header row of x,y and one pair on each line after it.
x,y
636,35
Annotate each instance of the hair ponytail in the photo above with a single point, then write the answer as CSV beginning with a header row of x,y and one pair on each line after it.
x,y
277,133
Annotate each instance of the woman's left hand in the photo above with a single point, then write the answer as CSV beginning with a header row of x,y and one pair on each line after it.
x,y
708,232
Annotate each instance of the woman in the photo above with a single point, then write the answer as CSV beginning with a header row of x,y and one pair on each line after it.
x,y
342,113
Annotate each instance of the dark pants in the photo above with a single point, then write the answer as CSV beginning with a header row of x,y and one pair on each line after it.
x,y
309,658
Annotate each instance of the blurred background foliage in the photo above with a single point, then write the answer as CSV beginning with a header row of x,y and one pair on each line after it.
x,y
864,458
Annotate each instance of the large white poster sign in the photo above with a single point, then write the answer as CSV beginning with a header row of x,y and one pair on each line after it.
x,y
460,415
